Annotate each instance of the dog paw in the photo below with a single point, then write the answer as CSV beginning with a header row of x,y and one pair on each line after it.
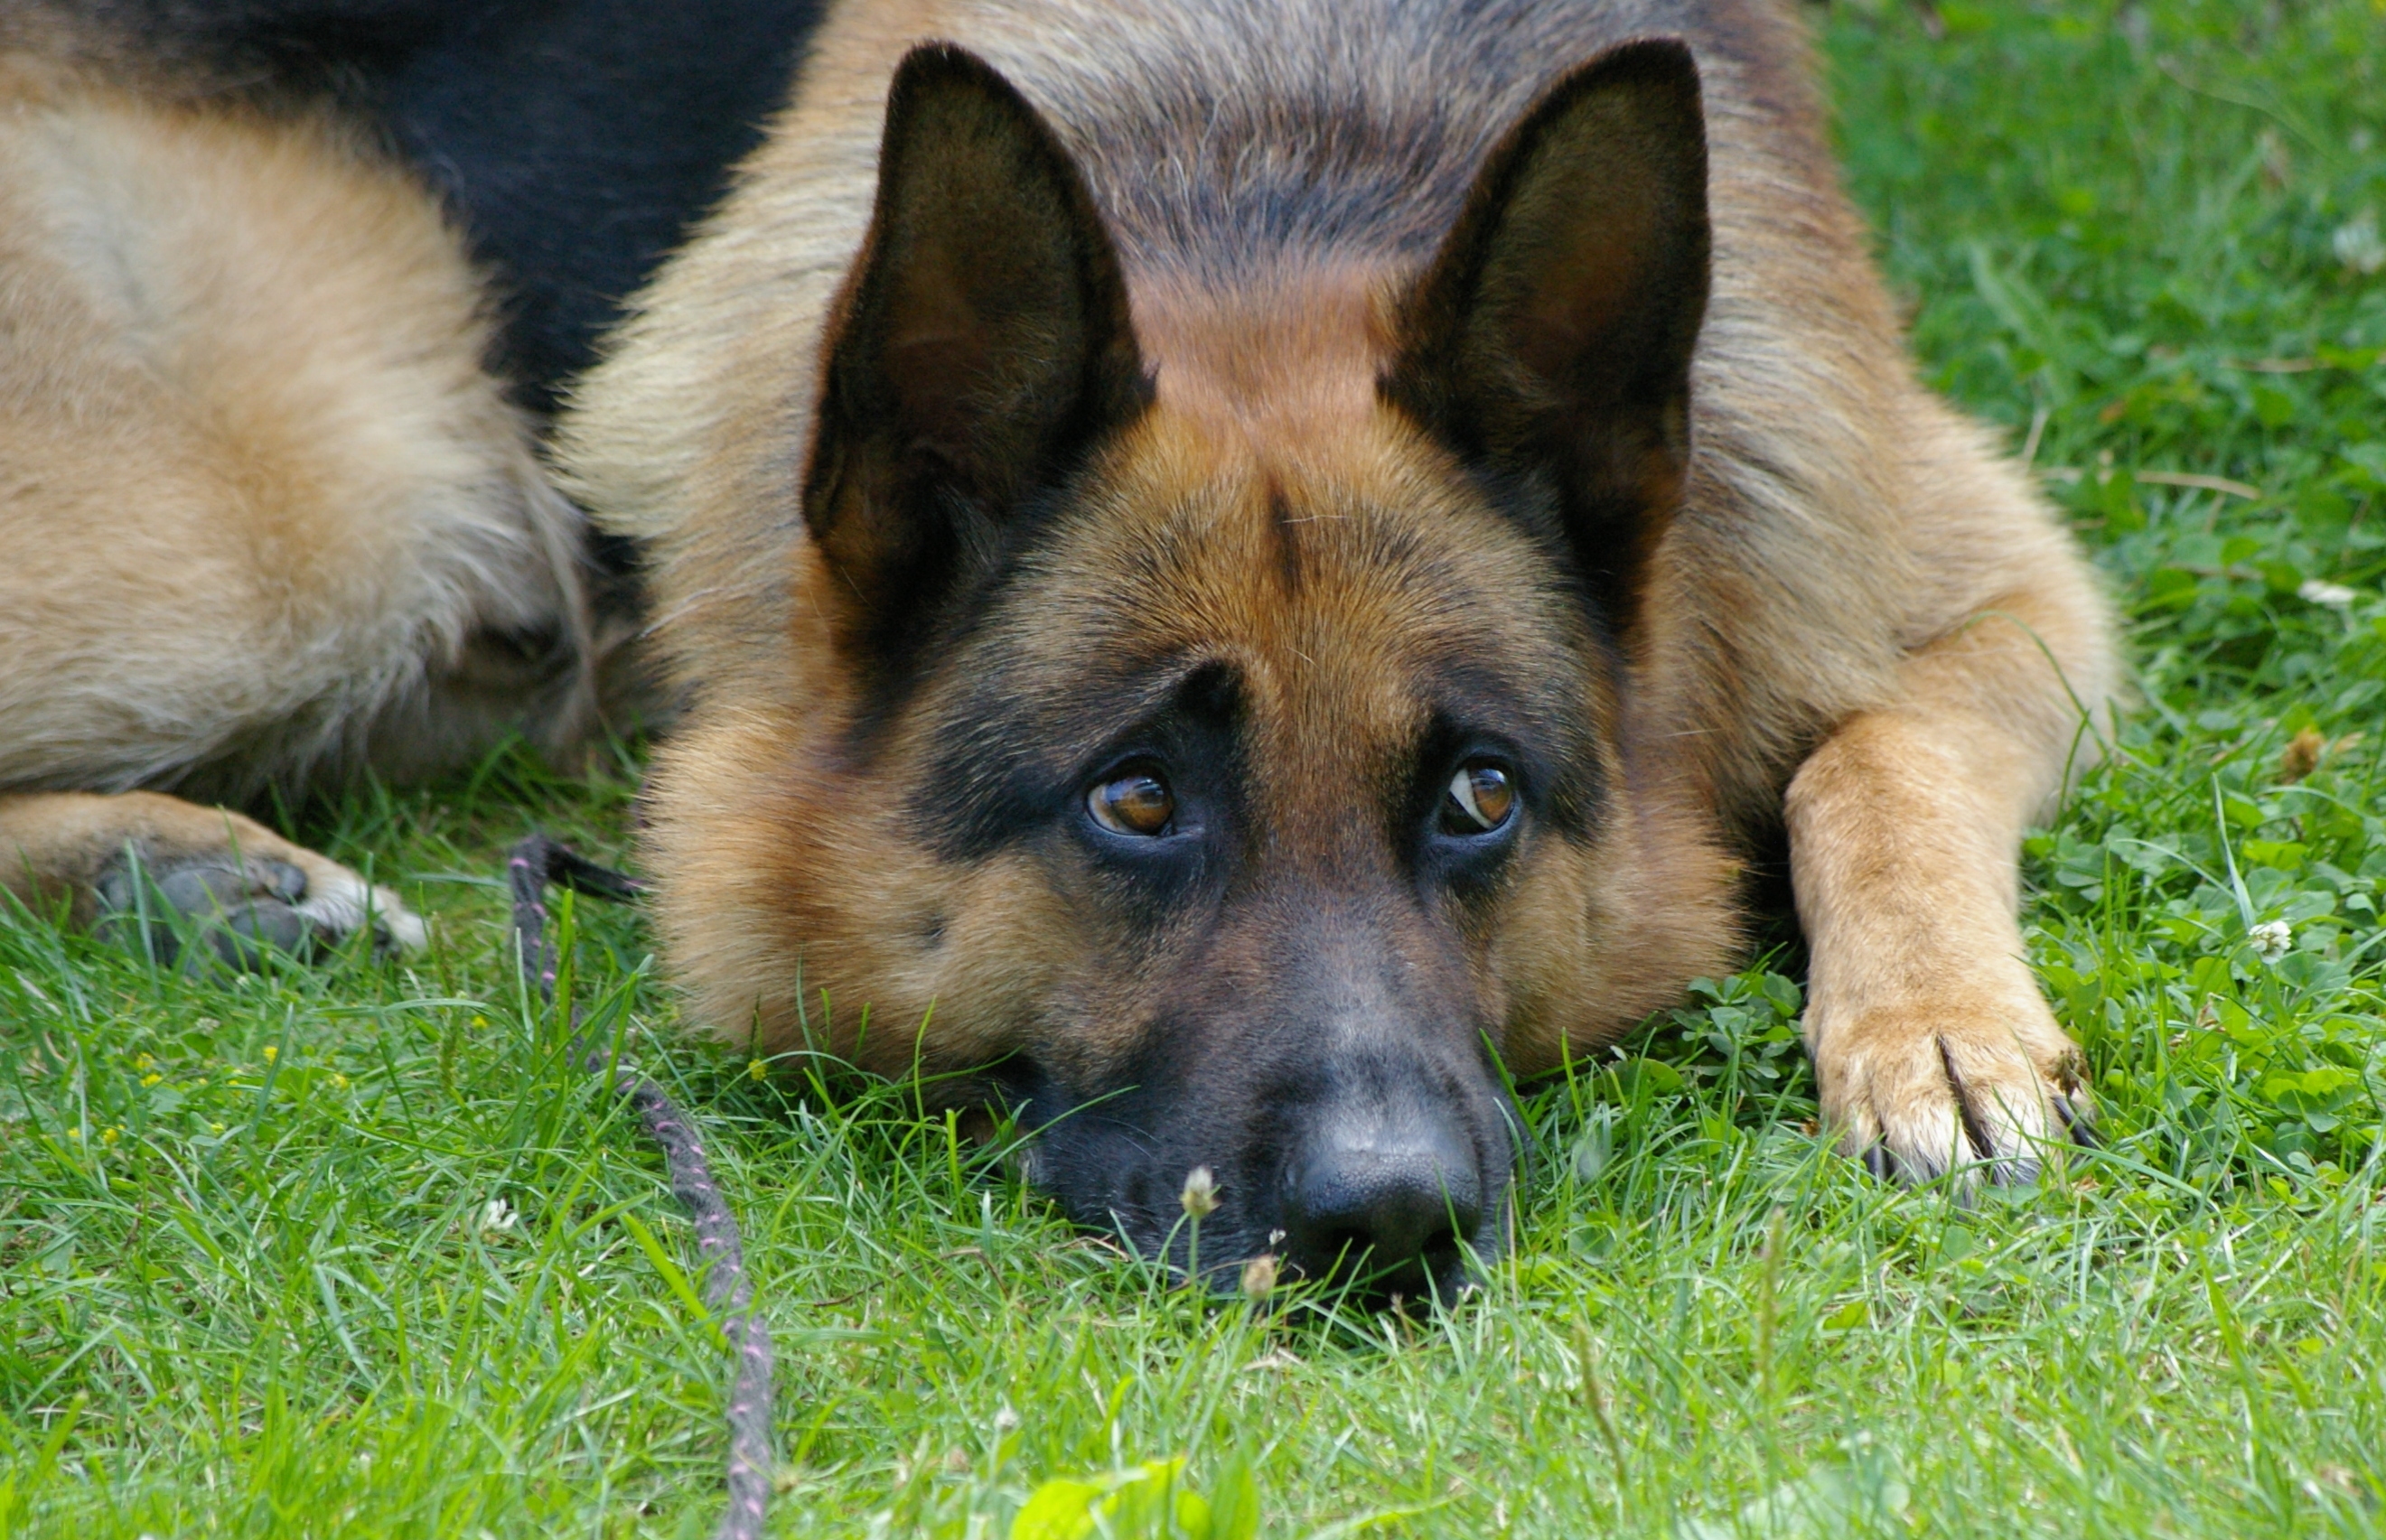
x,y
235,907
1987,1087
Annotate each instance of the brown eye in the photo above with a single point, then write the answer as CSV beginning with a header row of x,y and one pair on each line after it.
x,y
1137,803
1481,799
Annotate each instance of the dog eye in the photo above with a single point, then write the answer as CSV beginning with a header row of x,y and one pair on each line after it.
x,y
1481,799
1137,803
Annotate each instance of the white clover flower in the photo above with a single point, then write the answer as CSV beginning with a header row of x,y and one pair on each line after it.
x,y
2271,938
2321,590
497,1217
2357,245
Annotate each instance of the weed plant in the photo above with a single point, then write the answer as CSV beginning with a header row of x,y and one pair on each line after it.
x,y
351,1249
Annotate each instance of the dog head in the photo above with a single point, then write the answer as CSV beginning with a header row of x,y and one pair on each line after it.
x,y
1215,713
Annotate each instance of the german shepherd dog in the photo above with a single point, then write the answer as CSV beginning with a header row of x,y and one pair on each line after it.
x,y
1235,572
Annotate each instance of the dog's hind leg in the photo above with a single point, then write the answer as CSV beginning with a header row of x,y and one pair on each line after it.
x,y
268,521
168,867
1931,1040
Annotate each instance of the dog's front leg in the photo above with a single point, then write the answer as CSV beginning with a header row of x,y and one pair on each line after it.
x,y
139,857
1932,1043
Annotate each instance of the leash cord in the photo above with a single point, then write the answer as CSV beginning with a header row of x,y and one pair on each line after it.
x,y
728,1293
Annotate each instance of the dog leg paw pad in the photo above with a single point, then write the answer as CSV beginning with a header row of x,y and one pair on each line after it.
x,y
207,912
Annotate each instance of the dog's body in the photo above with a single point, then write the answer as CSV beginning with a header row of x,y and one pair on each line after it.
x,y
1243,434
287,288
1282,570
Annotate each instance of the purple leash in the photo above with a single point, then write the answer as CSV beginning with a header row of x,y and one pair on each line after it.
x,y
728,1294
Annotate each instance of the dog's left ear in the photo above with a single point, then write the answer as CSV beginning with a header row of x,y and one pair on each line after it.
x,y
1549,343
982,346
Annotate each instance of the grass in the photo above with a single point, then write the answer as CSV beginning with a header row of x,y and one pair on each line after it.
x,y
351,1250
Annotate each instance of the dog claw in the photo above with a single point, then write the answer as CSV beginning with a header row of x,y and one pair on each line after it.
x,y
2078,1121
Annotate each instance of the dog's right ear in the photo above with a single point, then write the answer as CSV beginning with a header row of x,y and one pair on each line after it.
x,y
981,347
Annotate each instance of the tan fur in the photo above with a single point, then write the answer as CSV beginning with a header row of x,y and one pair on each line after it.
x,y
268,521
1844,590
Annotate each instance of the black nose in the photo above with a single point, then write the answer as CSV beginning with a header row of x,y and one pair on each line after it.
x,y
1387,1205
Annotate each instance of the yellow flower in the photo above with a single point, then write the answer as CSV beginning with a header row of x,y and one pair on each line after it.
x,y
76,1135
144,1062
340,1081
107,1136
216,1127
152,1077
480,1020
271,1053
756,1068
